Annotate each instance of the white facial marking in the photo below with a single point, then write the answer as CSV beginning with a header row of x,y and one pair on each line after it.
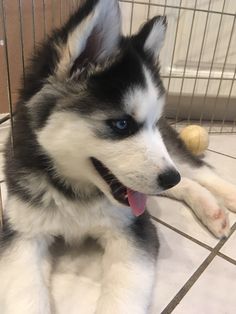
x,y
146,104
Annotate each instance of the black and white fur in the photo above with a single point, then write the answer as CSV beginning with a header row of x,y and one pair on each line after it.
x,y
81,80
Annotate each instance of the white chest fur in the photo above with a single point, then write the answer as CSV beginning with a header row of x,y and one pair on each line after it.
x,y
71,219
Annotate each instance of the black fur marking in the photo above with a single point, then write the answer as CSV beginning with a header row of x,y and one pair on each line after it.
x,y
118,190
132,128
27,152
145,234
43,110
14,188
110,85
7,234
176,146
105,89
109,132
67,190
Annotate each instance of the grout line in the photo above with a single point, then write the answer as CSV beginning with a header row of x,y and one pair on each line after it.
x,y
2,181
4,119
227,258
188,285
183,234
213,151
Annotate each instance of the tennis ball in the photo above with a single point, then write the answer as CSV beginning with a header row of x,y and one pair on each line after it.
x,y
195,138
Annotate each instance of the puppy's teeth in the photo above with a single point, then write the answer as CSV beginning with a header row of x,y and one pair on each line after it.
x,y
126,196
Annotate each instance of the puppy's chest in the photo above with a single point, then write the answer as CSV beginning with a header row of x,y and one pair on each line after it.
x,y
70,219
76,221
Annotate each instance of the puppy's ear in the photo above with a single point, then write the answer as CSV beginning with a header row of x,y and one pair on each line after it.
x,y
92,35
151,36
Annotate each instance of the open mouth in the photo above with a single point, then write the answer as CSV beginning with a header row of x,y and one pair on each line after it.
x,y
123,194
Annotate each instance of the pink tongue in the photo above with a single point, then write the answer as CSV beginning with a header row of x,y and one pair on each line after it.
x,y
137,202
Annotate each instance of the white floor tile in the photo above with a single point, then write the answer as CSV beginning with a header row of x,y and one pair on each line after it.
x,y
223,143
178,259
223,165
229,247
214,291
181,217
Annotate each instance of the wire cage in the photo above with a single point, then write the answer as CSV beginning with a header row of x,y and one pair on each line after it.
x,y
198,58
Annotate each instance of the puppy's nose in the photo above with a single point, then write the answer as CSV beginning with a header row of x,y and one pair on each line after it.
x,y
168,178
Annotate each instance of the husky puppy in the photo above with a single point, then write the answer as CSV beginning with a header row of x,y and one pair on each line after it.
x,y
90,144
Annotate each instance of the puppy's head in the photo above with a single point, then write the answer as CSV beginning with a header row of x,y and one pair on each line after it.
x,y
98,114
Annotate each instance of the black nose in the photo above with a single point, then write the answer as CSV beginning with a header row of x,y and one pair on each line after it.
x,y
168,179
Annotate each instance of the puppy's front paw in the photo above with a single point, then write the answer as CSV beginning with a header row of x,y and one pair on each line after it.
x,y
230,201
217,222
227,192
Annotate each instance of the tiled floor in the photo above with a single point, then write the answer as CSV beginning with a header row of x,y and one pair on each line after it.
x,y
196,273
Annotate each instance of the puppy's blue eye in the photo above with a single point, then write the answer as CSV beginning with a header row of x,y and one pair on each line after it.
x,y
123,127
121,124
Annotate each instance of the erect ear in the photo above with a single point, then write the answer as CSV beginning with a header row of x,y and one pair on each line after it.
x,y
92,35
151,36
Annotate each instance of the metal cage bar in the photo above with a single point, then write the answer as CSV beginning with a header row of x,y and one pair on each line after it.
x,y
179,7
223,68
199,62
21,40
176,71
174,48
185,63
211,66
33,24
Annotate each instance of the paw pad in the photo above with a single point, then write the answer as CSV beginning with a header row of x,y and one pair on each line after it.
x,y
218,214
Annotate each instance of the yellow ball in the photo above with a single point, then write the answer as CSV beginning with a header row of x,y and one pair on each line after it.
x,y
195,138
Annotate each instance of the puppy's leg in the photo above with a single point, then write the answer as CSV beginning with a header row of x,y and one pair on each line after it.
x,y
196,169
204,205
24,273
128,269
218,186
